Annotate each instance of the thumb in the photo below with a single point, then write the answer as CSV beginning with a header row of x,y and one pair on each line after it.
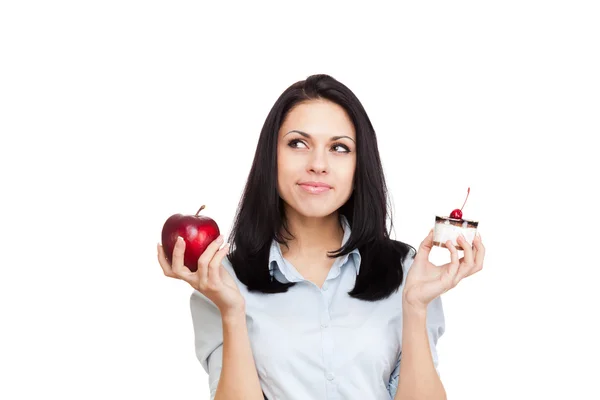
x,y
425,246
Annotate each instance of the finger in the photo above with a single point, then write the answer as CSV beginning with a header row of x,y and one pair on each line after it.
x,y
454,263
480,250
177,265
464,270
479,254
425,246
164,263
474,268
467,249
214,275
467,265
205,258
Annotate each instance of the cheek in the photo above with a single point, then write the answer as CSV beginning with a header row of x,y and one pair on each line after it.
x,y
285,177
288,167
346,173
285,173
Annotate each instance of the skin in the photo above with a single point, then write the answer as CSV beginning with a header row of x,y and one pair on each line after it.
x,y
313,218
426,281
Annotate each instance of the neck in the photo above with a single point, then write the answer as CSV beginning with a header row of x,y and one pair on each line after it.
x,y
313,237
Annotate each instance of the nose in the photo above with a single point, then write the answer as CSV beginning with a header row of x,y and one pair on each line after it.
x,y
317,162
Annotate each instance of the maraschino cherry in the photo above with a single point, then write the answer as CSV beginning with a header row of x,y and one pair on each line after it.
x,y
457,214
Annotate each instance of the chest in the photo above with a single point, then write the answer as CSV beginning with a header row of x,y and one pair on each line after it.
x,y
306,329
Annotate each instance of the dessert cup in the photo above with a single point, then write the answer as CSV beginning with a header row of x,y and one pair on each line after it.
x,y
447,228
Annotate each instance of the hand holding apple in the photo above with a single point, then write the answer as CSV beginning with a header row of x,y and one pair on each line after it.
x,y
211,279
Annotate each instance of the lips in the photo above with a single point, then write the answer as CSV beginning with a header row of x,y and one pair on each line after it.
x,y
315,184
315,187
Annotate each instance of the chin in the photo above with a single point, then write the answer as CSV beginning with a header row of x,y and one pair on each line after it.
x,y
315,211
313,206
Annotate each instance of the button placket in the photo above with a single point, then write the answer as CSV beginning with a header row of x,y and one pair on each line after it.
x,y
325,317
327,342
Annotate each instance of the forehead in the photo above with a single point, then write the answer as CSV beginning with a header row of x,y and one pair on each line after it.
x,y
319,118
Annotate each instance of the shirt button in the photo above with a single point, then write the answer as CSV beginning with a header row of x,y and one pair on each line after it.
x,y
325,286
330,376
325,324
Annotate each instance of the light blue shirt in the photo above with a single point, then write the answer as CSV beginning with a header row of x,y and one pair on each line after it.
x,y
316,343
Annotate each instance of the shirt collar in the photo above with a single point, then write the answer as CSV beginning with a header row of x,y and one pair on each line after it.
x,y
281,268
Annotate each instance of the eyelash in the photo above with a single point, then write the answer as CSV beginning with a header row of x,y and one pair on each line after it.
x,y
292,142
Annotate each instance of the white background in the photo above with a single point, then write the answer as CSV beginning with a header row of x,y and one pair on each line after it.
x,y
116,114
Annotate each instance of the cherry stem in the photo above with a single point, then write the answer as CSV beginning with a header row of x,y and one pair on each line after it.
x,y
201,208
468,191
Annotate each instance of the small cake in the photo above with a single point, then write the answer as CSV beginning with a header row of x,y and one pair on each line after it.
x,y
447,228
450,228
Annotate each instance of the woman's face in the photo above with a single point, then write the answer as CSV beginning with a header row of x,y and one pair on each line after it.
x,y
325,152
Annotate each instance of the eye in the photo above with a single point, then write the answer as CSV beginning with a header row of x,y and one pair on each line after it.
x,y
343,146
292,143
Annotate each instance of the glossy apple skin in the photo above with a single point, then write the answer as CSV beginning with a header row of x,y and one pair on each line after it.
x,y
198,231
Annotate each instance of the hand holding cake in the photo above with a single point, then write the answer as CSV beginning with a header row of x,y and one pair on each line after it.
x,y
426,281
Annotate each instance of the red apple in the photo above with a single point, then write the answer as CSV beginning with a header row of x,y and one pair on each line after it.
x,y
198,231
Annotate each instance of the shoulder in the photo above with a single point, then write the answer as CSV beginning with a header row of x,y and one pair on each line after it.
x,y
408,259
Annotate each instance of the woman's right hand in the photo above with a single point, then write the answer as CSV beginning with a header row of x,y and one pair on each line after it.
x,y
211,279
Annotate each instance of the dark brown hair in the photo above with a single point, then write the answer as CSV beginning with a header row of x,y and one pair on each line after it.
x,y
260,216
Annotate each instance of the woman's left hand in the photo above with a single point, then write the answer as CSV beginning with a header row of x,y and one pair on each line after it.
x,y
426,281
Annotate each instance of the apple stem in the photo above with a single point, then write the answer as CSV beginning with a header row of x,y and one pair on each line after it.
x,y
468,191
201,208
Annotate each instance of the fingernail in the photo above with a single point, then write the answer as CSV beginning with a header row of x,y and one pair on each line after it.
x,y
220,239
179,239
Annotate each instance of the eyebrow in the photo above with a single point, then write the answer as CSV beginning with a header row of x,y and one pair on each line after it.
x,y
306,135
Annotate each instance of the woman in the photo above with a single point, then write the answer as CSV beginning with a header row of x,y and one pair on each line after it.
x,y
314,300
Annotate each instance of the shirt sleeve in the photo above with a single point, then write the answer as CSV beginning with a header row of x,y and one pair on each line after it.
x,y
208,337
436,327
